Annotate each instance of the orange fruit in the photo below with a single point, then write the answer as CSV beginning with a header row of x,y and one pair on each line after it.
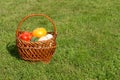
x,y
39,32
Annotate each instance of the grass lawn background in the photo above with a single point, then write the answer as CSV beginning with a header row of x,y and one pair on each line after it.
x,y
88,41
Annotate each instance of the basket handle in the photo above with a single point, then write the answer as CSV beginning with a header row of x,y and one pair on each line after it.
x,y
21,22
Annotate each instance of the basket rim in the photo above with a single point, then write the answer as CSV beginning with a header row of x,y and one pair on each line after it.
x,y
36,47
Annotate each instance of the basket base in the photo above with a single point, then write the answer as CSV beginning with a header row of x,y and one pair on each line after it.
x,y
37,60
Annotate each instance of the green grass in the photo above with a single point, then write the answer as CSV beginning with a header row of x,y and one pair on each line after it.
x,y
88,41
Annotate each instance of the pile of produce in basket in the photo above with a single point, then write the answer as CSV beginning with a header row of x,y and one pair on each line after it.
x,y
38,34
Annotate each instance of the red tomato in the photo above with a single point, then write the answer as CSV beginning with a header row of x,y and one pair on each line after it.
x,y
25,36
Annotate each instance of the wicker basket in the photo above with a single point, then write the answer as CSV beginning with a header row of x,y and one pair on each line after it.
x,y
36,51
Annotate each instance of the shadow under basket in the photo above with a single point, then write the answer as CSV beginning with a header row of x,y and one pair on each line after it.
x,y
36,51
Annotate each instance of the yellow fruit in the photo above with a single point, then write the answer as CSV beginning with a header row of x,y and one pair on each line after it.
x,y
39,32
